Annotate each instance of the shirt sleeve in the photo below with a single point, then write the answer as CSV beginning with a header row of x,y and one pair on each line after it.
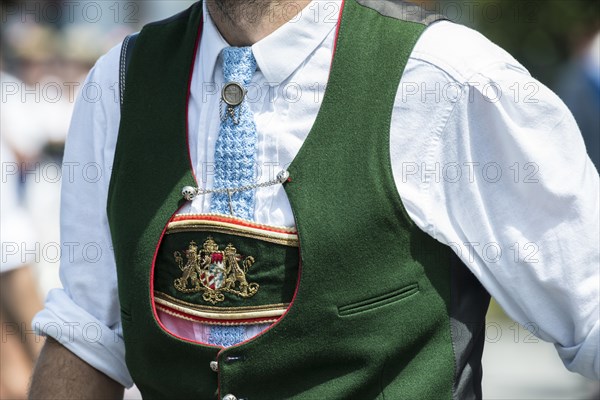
x,y
500,173
526,220
85,315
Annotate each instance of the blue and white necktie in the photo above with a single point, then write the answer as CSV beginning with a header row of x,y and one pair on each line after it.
x,y
235,149
235,158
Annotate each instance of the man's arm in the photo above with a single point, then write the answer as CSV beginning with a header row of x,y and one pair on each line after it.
x,y
83,316
62,375
500,174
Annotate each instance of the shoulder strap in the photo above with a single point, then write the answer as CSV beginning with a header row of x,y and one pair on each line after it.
x,y
126,51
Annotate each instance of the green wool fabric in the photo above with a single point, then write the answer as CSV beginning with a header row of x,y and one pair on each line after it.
x,y
370,317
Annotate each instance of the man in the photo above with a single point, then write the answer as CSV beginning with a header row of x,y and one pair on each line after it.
x,y
413,155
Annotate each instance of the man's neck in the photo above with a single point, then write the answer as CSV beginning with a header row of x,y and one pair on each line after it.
x,y
245,22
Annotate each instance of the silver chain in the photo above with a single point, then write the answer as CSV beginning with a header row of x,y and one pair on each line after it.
x,y
189,193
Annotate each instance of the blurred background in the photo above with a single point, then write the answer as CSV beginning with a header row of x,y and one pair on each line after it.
x,y
46,50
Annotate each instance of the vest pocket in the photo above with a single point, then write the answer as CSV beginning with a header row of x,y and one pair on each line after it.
x,y
378,301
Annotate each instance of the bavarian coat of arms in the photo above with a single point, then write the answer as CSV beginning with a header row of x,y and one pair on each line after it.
x,y
214,272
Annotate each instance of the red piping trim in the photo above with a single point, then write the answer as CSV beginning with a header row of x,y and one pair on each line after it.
x,y
233,221
261,320
152,303
162,235
337,33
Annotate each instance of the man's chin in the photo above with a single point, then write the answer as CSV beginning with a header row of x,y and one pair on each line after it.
x,y
237,10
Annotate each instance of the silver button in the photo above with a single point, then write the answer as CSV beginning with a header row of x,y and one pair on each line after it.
x,y
189,193
214,366
229,397
283,176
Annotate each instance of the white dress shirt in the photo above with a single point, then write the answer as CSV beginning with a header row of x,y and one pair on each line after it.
x,y
485,158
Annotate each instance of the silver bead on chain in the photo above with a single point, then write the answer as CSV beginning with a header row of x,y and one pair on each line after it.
x,y
190,193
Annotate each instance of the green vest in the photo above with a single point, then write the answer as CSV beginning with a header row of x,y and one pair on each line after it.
x,y
380,309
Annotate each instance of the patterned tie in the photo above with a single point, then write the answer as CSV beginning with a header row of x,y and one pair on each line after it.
x,y
235,157
235,150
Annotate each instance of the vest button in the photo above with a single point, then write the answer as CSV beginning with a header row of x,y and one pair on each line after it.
x,y
214,366
229,397
189,193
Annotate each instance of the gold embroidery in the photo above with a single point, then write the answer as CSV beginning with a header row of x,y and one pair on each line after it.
x,y
220,313
227,322
214,272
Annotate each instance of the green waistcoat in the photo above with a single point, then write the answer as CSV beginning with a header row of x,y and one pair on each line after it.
x,y
381,310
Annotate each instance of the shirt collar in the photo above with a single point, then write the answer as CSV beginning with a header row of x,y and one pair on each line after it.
x,y
211,45
283,51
